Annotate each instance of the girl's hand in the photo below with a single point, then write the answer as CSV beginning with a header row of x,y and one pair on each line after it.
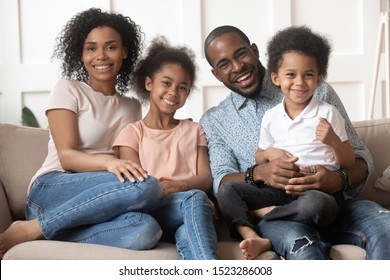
x,y
127,168
170,187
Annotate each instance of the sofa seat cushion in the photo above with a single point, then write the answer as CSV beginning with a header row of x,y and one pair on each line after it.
x,y
60,250
347,252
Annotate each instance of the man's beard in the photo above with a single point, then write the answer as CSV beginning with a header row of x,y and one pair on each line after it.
x,y
256,92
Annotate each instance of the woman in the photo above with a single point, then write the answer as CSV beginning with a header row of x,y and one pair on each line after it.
x,y
83,193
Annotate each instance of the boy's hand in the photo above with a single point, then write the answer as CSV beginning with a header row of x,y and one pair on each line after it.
x,y
275,153
325,133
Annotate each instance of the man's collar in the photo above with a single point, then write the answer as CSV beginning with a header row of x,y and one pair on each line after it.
x,y
238,100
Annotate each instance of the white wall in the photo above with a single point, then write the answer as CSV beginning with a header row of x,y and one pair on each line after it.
x,y
28,29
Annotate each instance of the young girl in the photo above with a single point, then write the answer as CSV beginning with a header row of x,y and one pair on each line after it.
x,y
83,193
174,151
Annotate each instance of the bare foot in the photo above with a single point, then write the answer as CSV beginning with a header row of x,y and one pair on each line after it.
x,y
19,232
252,247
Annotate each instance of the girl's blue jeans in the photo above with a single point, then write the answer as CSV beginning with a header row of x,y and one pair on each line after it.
x,y
187,219
95,207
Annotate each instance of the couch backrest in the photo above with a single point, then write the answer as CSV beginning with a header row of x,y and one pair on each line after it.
x,y
22,152
376,136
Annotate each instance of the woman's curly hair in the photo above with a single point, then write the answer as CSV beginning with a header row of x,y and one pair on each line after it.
x,y
158,54
70,42
300,39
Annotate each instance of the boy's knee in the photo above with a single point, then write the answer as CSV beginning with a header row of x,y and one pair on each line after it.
x,y
317,201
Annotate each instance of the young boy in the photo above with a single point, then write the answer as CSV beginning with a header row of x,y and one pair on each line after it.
x,y
302,126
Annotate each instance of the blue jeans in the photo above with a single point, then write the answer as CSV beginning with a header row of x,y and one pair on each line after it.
x,y
187,219
95,207
360,222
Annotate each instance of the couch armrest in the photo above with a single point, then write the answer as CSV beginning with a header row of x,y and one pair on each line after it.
x,y
5,214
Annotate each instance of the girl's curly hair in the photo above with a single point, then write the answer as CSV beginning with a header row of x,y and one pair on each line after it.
x,y
70,42
158,54
300,39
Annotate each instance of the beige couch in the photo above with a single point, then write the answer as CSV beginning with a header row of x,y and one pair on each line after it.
x,y
23,149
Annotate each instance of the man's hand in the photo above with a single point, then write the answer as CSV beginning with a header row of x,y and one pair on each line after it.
x,y
323,180
278,172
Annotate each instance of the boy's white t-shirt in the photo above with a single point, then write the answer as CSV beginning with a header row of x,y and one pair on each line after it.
x,y
100,119
298,136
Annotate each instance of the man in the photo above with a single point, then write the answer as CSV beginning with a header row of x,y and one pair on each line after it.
x,y
232,130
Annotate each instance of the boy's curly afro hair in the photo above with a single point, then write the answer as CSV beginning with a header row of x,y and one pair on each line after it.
x,y
299,39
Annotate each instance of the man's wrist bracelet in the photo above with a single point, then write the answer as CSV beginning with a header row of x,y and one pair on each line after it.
x,y
249,179
345,176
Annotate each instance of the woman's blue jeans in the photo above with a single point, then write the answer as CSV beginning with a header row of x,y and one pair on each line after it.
x,y
360,222
187,219
95,207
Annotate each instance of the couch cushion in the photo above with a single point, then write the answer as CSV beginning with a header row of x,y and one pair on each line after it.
x,y
383,182
59,250
376,135
20,147
347,252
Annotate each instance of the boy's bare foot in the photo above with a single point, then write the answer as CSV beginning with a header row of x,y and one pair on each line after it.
x,y
19,232
252,247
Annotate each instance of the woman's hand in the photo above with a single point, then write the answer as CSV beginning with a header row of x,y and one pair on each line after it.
x,y
127,168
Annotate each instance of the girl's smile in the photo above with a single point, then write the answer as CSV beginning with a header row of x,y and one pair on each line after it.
x,y
169,88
